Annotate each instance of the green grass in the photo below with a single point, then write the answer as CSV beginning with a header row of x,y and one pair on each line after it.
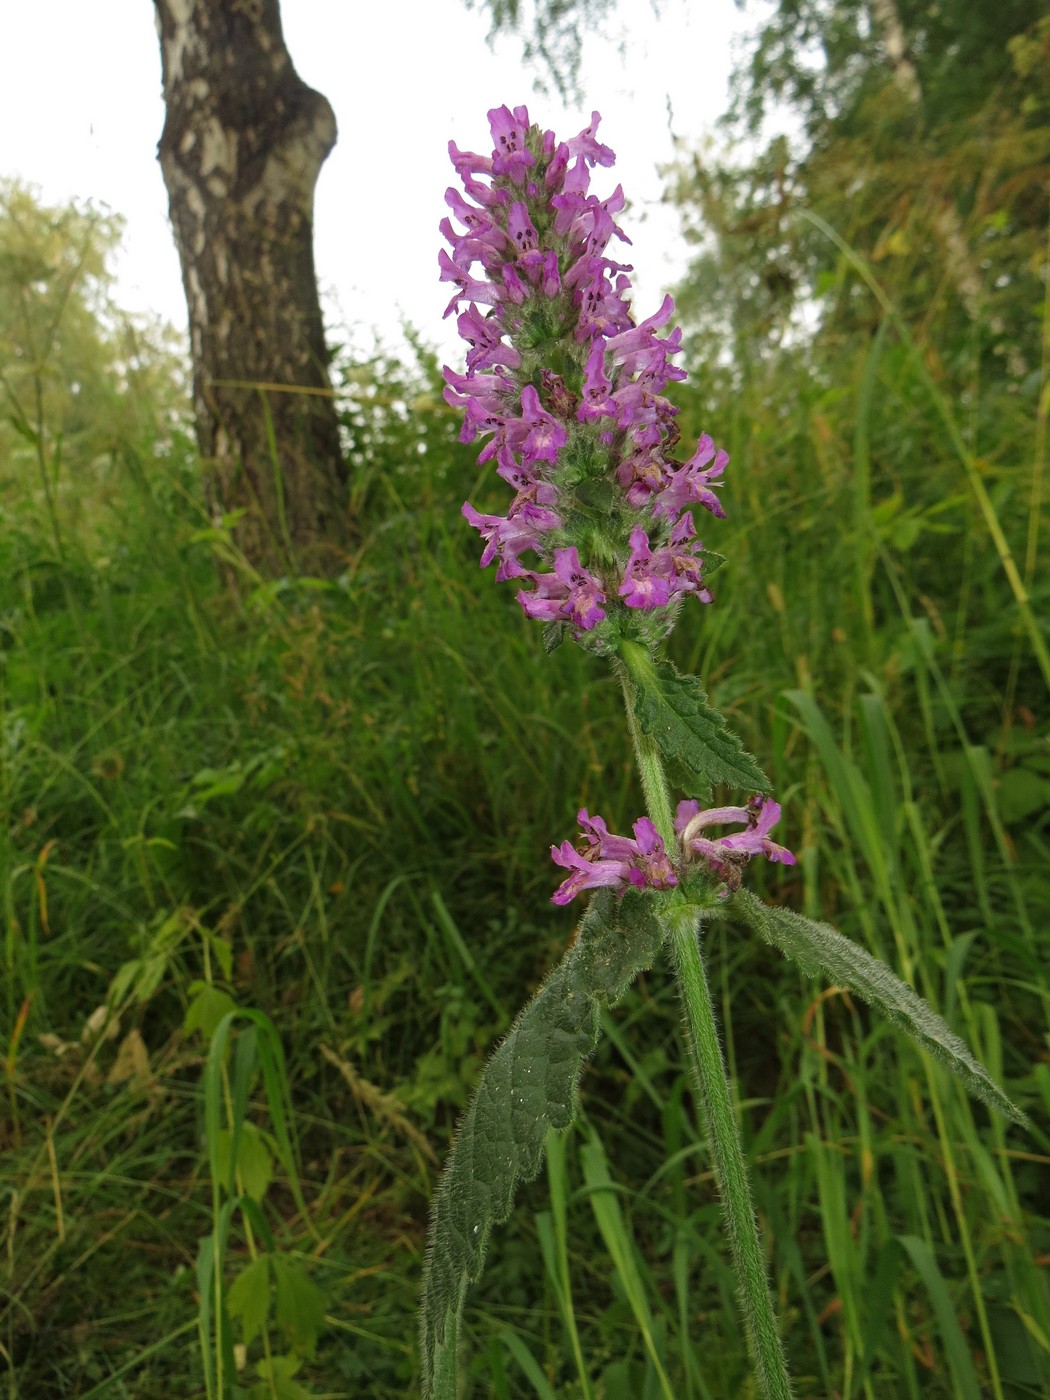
x,y
331,804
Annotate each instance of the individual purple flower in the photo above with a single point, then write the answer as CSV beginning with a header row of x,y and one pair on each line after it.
x,y
509,129
470,288
509,536
481,398
597,401
521,229
602,304
467,163
585,145
689,484
727,855
588,873
641,474
527,486
569,594
545,436
487,247
635,348
608,861
685,562
477,221
488,350
642,586
652,866
541,270
653,578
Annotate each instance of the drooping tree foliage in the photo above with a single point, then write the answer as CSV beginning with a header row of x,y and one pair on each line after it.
x,y
552,33
921,134
870,281
83,386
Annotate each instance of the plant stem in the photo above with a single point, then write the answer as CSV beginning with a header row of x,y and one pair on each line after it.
x,y
632,672
712,1083
730,1166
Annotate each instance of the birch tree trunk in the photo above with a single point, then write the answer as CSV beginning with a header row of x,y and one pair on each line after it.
x,y
243,144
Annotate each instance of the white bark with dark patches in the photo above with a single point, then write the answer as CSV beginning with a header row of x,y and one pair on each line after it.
x,y
243,145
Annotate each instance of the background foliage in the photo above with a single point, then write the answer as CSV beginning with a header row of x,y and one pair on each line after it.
x,y
327,806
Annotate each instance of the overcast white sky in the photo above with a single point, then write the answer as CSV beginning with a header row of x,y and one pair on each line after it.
x,y
81,112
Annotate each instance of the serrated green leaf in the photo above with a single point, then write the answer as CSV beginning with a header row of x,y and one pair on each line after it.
x,y
249,1298
818,947
692,736
300,1306
528,1087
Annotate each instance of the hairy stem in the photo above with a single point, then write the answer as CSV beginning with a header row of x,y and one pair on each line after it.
x,y
633,671
709,1069
730,1166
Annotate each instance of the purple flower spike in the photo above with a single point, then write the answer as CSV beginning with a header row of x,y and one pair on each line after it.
x,y
565,392
605,860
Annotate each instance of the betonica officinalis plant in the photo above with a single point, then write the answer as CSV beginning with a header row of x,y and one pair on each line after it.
x,y
600,536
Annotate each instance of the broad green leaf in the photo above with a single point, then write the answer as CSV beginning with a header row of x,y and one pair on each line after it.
x,y
692,736
1022,793
278,1381
151,973
209,1005
819,948
300,1306
528,1087
249,1298
279,1368
254,1159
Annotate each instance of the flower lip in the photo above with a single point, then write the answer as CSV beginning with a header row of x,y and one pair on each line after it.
x,y
759,817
